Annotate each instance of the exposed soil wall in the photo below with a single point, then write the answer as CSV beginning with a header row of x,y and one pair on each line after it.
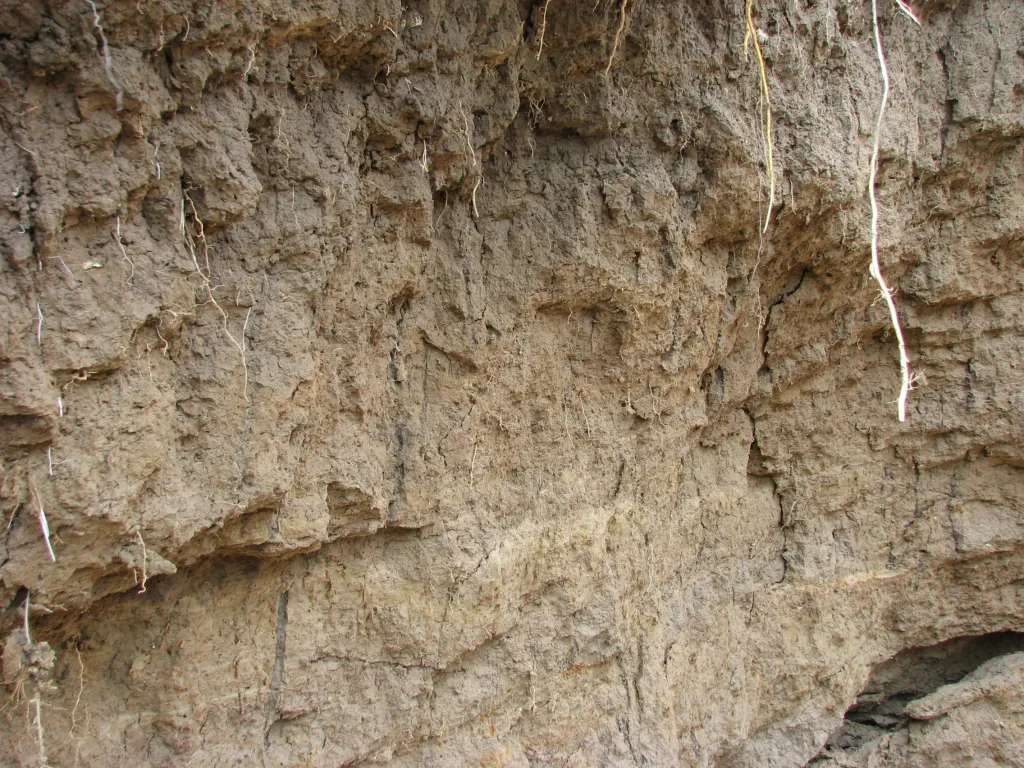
x,y
409,383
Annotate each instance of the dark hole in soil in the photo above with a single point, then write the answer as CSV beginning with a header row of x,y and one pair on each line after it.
x,y
909,675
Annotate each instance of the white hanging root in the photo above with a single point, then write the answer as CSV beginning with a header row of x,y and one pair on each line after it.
x,y
36,700
81,689
905,7
156,162
124,253
469,136
108,63
39,324
205,277
44,526
252,60
145,576
543,28
245,365
472,156
39,729
906,380
28,635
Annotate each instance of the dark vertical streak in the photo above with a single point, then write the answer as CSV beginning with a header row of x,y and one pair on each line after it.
x,y
277,674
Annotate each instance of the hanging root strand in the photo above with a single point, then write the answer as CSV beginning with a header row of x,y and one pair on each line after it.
x,y
39,729
904,6
906,378
108,62
124,252
145,559
750,40
543,28
44,526
191,242
618,34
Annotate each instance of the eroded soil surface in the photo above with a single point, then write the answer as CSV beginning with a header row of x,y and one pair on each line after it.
x,y
411,383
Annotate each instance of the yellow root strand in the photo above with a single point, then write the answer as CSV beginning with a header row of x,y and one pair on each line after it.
x,y
618,35
750,38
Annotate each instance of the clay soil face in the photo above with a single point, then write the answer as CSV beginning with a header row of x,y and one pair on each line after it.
x,y
395,386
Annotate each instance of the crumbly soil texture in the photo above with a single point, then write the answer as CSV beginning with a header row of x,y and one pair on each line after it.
x,y
414,383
